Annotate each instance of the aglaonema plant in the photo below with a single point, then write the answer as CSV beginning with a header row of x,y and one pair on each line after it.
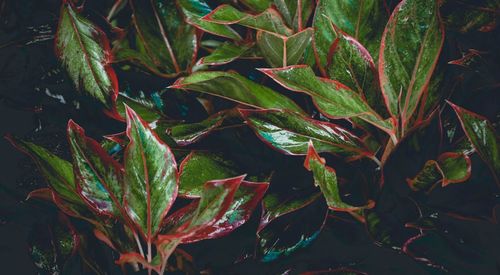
x,y
345,95
129,203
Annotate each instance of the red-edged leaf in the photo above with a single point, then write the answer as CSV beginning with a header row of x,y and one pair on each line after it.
x,y
290,133
151,177
483,137
84,51
269,20
279,50
185,134
196,218
326,178
245,200
409,51
332,98
99,177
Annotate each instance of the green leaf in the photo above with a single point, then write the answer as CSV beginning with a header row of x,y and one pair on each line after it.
x,y
185,134
225,53
194,10
352,65
280,51
144,107
290,134
199,167
410,48
450,167
232,86
98,175
483,137
85,53
246,199
277,204
295,16
58,172
429,175
331,97
269,20
360,19
162,42
257,5
150,176
326,178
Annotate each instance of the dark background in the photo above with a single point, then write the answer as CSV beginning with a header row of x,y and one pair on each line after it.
x,y
28,69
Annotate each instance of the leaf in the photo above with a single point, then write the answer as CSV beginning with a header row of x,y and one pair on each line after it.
x,y
456,167
225,53
269,20
291,232
198,216
85,53
99,177
232,86
477,15
185,134
143,106
194,10
331,97
199,167
280,51
58,172
257,5
277,204
296,13
160,41
245,200
52,245
351,64
360,19
150,176
481,134
290,134
409,52
326,178
429,175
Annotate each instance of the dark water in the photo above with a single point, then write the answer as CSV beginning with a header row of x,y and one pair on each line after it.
x,y
30,107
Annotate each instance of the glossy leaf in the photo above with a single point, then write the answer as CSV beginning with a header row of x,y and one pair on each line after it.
x,y
194,10
280,51
245,201
195,219
185,134
483,137
85,53
150,176
99,177
276,204
325,178
225,53
160,41
290,134
199,167
257,5
409,51
269,20
232,86
58,172
144,107
295,12
292,232
449,168
359,19
352,65
331,97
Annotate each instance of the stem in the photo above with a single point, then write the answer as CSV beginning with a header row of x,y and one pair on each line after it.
x,y
149,256
166,254
138,244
